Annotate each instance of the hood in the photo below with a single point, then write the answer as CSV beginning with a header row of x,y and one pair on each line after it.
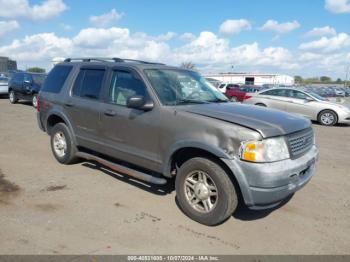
x,y
268,122
337,104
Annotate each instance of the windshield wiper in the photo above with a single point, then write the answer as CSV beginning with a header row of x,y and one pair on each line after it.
x,y
191,101
218,100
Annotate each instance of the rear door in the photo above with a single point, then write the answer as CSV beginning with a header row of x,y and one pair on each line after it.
x,y
274,98
17,84
84,103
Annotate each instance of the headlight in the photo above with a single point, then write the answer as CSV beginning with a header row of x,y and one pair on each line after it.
x,y
267,150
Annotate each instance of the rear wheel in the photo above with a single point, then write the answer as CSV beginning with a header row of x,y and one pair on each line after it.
x,y
328,118
62,144
12,97
205,192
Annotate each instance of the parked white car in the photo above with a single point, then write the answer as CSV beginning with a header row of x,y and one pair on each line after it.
x,y
301,102
4,88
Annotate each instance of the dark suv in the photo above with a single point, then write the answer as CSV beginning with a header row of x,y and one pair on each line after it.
x,y
153,122
25,86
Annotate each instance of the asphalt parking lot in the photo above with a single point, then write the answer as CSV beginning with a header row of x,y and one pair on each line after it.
x,y
48,208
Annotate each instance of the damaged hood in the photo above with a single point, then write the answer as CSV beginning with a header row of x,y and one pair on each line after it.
x,y
268,122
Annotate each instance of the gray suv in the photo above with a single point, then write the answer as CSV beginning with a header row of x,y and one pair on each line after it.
x,y
155,122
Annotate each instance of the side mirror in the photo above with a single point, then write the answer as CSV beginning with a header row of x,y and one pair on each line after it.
x,y
309,99
139,102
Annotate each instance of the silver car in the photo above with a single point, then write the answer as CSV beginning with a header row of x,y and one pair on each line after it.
x,y
4,89
301,102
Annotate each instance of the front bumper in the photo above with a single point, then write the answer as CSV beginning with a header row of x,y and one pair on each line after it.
x,y
264,185
344,117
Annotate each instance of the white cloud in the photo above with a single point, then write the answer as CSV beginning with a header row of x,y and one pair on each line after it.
x,y
230,27
38,47
21,9
208,51
281,28
338,6
187,37
8,26
326,44
106,19
321,31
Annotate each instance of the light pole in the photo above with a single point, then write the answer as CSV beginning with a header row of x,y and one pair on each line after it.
x,y
346,75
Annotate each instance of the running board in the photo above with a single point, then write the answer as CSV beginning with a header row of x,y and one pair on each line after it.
x,y
122,169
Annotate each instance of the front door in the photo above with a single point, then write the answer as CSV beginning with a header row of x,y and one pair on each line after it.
x,y
299,103
130,134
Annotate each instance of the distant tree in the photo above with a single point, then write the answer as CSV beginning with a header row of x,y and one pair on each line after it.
x,y
188,65
325,79
311,80
36,70
339,81
298,79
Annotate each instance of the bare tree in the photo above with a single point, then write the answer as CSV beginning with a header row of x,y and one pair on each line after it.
x,y
188,65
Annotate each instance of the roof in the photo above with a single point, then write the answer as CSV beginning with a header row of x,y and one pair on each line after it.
x,y
245,74
117,61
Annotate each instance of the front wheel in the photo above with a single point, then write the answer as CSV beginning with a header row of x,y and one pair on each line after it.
x,y
35,101
205,192
328,118
12,97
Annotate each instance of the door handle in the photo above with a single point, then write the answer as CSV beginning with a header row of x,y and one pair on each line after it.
x,y
69,104
110,112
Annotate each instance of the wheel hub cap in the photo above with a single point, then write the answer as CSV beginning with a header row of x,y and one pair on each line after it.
x,y
327,118
201,191
60,145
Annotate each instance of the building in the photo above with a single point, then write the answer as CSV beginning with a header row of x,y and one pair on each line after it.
x,y
6,64
253,78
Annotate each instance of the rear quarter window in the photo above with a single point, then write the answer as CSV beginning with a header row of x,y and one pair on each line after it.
x,y
56,79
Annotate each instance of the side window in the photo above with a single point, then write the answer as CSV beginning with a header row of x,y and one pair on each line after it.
x,y
27,78
89,83
56,79
275,92
124,85
298,95
18,78
270,93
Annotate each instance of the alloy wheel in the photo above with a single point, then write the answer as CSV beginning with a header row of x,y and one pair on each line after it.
x,y
201,191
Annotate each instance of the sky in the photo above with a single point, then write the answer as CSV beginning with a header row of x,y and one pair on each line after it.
x,y
294,37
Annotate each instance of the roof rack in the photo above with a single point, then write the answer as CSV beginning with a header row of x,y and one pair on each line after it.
x,y
113,59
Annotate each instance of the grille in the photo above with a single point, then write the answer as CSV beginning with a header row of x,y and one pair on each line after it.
x,y
301,142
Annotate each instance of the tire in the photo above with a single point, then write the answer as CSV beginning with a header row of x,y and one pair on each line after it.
x,y
35,101
64,150
222,205
12,97
260,104
327,118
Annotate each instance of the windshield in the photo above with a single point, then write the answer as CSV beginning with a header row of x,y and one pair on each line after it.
x,y
175,87
38,79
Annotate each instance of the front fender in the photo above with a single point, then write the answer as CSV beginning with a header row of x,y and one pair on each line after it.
x,y
220,153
